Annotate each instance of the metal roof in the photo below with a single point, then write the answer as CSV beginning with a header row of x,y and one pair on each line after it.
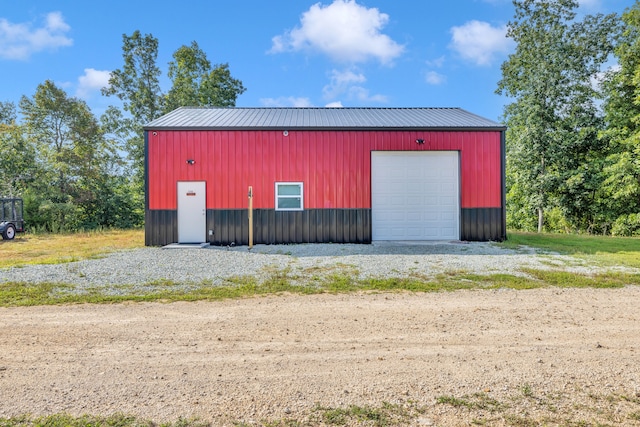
x,y
321,119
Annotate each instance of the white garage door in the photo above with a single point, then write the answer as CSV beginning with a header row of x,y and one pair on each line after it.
x,y
415,195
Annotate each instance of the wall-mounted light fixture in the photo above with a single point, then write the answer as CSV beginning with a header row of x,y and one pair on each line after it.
x,y
191,162
419,141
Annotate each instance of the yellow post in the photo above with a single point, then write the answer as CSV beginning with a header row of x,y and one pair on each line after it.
x,y
250,217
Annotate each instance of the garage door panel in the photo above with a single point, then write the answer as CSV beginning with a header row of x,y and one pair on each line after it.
x,y
411,190
447,201
397,201
447,216
414,174
415,195
448,187
431,216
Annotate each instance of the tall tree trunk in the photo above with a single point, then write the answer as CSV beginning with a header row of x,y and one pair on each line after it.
x,y
540,219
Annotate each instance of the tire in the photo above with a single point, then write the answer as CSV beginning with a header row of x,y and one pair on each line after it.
x,y
9,232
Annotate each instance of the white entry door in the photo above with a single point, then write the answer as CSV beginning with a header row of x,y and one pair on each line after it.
x,y
415,195
192,212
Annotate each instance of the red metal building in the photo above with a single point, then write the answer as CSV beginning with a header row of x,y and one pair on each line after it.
x,y
342,175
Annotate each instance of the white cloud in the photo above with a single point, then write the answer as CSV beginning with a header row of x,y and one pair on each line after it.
x,y
349,82
590,4
92,80
344,30
336,104
362,95
434,78
340,83
20,41
285,101
479,42
437,63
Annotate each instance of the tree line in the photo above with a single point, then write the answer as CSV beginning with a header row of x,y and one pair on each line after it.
x,y
76,171
573,138
572,145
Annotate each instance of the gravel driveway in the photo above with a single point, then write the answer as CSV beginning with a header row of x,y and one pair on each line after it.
x,y
215,264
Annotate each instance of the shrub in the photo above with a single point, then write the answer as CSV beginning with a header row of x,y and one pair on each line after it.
x,y
626,225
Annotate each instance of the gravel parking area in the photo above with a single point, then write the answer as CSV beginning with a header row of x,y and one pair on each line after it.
x,y
215,264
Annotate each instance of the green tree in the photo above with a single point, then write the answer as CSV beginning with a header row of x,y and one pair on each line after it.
x,y
17,163
196,84
65,132
7,113
621,188
74,159
124,195
137,83
553,118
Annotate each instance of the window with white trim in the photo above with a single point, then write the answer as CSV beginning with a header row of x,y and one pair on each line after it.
x,y
289,196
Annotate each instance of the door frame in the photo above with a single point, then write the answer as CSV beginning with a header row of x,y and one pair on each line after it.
x,y
379,154
192,223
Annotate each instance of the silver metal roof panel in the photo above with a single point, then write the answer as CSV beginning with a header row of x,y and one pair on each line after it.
x,y
321,118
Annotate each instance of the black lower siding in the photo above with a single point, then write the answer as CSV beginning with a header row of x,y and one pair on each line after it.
x,y
482,224
308,226
160,227
270,226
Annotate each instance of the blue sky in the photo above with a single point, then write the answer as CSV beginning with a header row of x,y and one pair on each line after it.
x,y
351,53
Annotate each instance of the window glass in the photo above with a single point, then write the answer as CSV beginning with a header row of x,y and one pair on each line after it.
x,y
289,196
289,190
289,203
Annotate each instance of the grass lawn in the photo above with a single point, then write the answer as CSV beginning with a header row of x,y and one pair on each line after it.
x,y
603,250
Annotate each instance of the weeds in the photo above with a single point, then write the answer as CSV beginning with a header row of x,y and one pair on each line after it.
x,y
478,409
118,420
481,401
527,391
387,415
284,281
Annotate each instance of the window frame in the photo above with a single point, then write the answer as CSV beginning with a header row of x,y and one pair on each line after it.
x,y
300,196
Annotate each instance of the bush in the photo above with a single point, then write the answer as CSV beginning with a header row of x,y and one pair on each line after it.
x,y
626,225
556,222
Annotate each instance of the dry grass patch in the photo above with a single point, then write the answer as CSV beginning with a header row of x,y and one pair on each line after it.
x,y
60,248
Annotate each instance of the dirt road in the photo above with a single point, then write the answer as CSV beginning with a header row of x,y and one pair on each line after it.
x,y
541,354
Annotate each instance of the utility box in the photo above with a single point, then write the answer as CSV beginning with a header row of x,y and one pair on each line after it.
x,y
11,217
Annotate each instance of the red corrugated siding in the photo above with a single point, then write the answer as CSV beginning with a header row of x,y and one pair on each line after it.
x,y
335,166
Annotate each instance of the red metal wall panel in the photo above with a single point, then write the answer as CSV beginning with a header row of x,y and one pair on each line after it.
x,y
335,166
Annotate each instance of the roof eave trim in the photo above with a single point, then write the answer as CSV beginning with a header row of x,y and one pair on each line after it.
x,y
296,128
